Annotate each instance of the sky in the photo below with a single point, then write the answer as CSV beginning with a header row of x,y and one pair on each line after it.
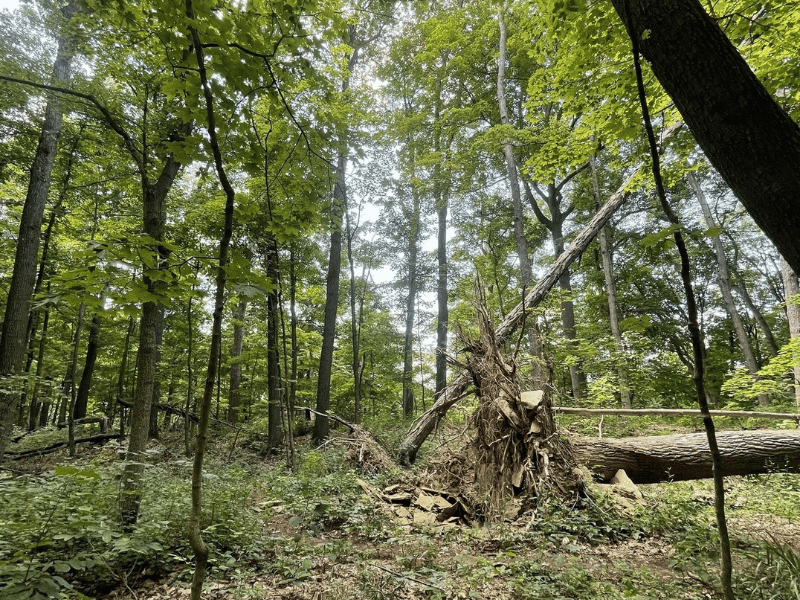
x,y
9,4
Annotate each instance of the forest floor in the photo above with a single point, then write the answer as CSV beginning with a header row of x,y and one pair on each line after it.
x,y
346,524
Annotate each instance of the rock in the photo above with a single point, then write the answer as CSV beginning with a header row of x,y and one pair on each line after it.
x,y
532,400
625,486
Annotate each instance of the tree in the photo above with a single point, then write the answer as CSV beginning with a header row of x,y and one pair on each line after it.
x,y
793,316
751,141
725,283
12,340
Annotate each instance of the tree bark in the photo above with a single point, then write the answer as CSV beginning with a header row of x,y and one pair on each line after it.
x,y
82,399
274,384
525,270
747,137
724,280
23,278
791,290
611,293
338,206
234,398
681,457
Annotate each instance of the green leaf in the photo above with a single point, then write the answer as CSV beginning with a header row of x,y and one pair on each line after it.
x,y
659,236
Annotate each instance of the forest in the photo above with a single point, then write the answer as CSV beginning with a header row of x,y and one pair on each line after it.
x,y
399,299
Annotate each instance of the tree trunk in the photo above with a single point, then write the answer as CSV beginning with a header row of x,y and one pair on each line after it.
x,y
741,289
747,137
234,398
338,206
274,386
791,290
525,271
36,407
724,281
199,546
23,278
611,293
411,298
82,399
680,457
355,320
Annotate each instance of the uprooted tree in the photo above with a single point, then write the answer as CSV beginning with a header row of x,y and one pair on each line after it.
x,y
516,446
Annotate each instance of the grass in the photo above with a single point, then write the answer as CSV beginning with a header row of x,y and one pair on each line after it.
x,y
314,529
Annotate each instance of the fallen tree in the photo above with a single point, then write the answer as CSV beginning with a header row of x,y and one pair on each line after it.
x,y
654,459
100,438
457,389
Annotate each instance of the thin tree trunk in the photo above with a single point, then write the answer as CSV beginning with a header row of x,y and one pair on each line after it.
x,y
338,206
741,289
69,407
36,408
123,367
791,291
355,329
187,442
611,292
23,278
201,549
293,317
723,278
525,271
274,384
234,397
411,298
726,565
152,430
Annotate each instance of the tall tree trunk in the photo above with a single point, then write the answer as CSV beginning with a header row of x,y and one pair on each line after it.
x,y
33,317
576,374
15,321
791,290
200,548
442,313
234,398
82,399
355,325
293,329
741,289
123,368
747,137
274,384
698,348
150,329
152,430
525,271
36,407
724,281
411,299
68,403
338,206
611,292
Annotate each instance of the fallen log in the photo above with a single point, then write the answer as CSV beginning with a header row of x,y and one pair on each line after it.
x,y
675,412
457,389
654,459
18,455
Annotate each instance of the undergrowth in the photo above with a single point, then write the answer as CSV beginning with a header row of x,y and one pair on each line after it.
x,y
60,536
